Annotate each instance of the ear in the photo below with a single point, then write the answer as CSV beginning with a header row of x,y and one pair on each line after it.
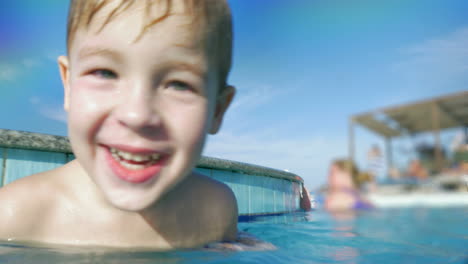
x,y
222,103
65,75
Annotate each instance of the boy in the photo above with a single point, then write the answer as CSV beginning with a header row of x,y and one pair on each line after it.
x,y
144,82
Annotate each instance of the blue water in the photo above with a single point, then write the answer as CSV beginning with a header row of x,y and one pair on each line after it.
x,y
410,235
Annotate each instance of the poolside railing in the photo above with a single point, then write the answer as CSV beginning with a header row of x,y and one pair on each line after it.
x,y
259,190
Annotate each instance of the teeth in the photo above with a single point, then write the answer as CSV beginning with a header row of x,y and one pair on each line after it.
x,y
132,166
118,154
115,156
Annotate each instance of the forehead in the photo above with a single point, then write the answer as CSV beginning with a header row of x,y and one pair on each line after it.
x,y
132,21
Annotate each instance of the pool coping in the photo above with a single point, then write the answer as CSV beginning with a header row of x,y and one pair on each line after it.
x,y
45,142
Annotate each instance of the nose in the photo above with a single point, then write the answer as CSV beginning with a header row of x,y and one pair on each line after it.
x,y
137,110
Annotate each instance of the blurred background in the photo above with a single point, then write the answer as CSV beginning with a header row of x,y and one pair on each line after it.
x,y
310,75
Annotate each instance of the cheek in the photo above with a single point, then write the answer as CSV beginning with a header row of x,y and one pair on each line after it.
x,y
188,123
91,94
87,107
87,96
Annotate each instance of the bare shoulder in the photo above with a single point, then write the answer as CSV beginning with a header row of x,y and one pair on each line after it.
x,y
24,202
216,193
214,188
219,203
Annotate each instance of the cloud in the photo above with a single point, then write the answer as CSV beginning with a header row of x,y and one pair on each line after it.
x,y
48,110
308,157
8,72
243,140
451,47
439,61
13,70
251,97
54,113
34,100
247,104
31,63
52,55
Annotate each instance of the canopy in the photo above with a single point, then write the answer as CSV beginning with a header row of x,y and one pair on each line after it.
x,y
434,115
429,115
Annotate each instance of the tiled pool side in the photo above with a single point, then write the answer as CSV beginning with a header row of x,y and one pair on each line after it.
x,y
259,190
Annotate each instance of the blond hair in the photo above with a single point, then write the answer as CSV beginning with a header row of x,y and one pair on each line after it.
x,y
350,167
213,16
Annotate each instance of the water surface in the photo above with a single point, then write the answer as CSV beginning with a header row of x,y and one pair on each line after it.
x,y
409,235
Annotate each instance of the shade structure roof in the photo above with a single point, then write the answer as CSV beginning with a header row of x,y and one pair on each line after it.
x,y
444,112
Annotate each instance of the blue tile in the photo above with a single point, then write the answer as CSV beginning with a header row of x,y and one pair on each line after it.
x,y
287,195
204,171
279,196
256,194
288,203
227,177
21,163
230,179
290,198
241,187
269,195
237,182
70,157
224,177
219,175
297,195
247,181
276,194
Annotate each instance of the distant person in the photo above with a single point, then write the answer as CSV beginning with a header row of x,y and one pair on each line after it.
x,y
394,173
344,182
461,159
416,170
463,167
375,162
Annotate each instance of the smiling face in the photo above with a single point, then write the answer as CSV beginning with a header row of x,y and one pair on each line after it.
x,y
139,108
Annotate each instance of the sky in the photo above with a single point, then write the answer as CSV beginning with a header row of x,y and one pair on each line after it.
x,y
301,69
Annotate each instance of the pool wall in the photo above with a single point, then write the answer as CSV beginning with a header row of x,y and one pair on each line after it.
x,y
259,190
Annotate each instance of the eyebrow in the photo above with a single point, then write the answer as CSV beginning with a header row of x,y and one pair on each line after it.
x,y
98,51
113,54
184,66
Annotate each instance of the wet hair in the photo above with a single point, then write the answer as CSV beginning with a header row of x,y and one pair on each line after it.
x,y
350,167
212,17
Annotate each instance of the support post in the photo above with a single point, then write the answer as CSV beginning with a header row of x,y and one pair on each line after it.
x,y
388,154
351,149
436,129
466,134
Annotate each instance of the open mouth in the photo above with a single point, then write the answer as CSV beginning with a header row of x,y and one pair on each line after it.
x,y
134,161
135,167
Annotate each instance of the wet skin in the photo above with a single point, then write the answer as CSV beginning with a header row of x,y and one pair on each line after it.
x,y
138,115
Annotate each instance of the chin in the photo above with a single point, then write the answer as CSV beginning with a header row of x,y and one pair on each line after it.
x,y
132,205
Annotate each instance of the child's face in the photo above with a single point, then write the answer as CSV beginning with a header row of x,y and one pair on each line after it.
x,y
339,178
139,111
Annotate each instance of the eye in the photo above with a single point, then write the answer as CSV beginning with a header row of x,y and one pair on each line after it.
x,y
179,86
104,74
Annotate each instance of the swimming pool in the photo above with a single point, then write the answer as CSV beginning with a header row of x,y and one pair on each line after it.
x,y
259,190
406,235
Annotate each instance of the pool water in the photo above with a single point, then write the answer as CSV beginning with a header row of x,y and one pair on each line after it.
x,y
409,235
